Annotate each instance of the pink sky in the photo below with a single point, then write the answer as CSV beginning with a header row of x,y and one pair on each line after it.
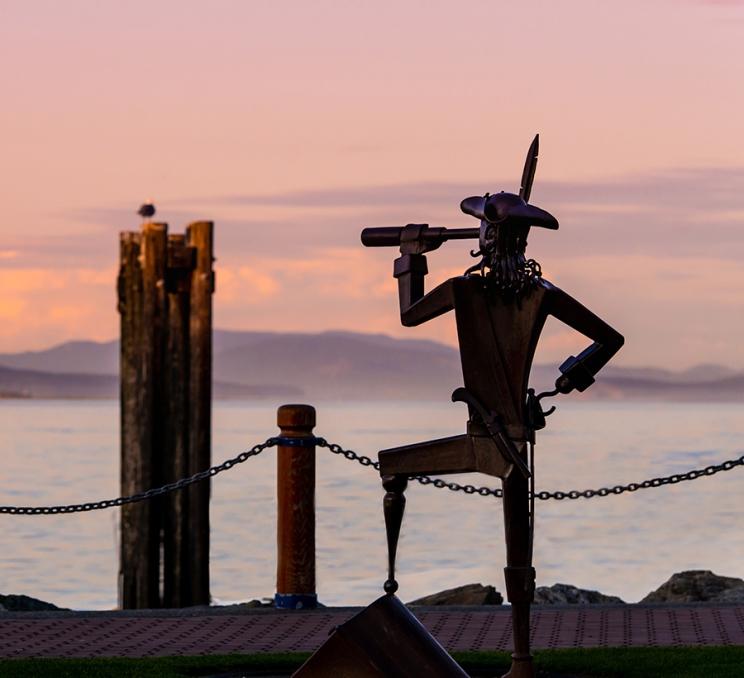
x,y
294,125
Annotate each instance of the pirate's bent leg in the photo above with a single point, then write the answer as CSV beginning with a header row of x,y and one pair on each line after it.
x,y
519,573
456,454
396,466
394,504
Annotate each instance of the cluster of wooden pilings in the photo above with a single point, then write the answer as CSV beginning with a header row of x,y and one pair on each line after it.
x,y
165,291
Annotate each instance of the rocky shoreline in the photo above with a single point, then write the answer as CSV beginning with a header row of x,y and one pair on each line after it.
x,y
20,603
690,586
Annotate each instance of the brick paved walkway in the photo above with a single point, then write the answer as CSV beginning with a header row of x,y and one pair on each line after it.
x,y
165,633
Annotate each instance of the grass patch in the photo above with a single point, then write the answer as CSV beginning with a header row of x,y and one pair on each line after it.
x,y
641,662
154,667
619,662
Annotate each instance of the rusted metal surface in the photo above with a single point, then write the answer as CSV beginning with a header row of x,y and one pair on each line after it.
x,y
295,570
164,633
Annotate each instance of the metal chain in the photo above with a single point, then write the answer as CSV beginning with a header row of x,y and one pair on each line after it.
x,y
364,461
142,496
349,454
544,495
644,485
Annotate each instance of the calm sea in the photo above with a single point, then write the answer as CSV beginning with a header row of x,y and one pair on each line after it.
x,y
61,451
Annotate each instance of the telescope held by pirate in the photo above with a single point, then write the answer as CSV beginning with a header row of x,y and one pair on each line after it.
x,y
432,236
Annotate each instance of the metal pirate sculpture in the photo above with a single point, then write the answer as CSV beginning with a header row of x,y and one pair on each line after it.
x,y
501,304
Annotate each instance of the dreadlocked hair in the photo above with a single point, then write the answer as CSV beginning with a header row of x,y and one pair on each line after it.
x,y
503,265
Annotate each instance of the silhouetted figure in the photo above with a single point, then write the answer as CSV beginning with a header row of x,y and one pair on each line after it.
x,y
501,304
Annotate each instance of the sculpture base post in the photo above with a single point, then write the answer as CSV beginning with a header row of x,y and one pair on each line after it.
x,y
385,640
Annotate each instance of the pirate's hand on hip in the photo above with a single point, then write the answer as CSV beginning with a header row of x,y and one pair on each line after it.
x,y
574,375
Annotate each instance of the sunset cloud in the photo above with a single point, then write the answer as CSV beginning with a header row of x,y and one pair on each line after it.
x,y
64,303
11,310
263,284
651,262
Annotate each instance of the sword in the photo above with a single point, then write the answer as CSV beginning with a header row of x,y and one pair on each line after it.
x,y
495,429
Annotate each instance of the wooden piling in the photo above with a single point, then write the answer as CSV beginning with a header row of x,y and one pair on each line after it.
x,y
295,578
133,576
200,236
176,528
143,309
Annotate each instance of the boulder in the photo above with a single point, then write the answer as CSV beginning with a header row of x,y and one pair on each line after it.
x,y
20,603
565,594
266,602
694,586
470,594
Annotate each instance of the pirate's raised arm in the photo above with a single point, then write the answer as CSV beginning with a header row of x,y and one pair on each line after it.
x,y
578,371
409,269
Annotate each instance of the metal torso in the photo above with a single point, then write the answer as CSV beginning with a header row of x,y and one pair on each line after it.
x,y
497,340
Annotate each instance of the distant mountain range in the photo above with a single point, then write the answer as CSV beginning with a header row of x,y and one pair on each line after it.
x,y
334,365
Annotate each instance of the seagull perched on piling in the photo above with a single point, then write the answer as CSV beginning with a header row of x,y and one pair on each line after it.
x,y
146,210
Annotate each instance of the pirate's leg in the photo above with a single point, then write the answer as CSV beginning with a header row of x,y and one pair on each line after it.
x,y
394,505
519,573
445,455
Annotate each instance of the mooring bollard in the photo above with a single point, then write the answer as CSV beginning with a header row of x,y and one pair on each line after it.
x,y
295,569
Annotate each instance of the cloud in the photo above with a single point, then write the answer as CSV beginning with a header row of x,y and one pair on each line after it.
x,y
689,213
11,309
245,285
23,281
674,213
352,197
41,303
643,189
671,313
264,285
659,255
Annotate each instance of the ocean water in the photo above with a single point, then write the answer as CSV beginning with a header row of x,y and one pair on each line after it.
x,y
627,545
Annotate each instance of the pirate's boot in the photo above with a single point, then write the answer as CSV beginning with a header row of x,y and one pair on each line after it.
x,y
520,589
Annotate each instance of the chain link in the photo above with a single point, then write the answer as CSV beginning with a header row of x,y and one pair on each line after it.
x,y
348,454
365,461
141,496
544,495
644,485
